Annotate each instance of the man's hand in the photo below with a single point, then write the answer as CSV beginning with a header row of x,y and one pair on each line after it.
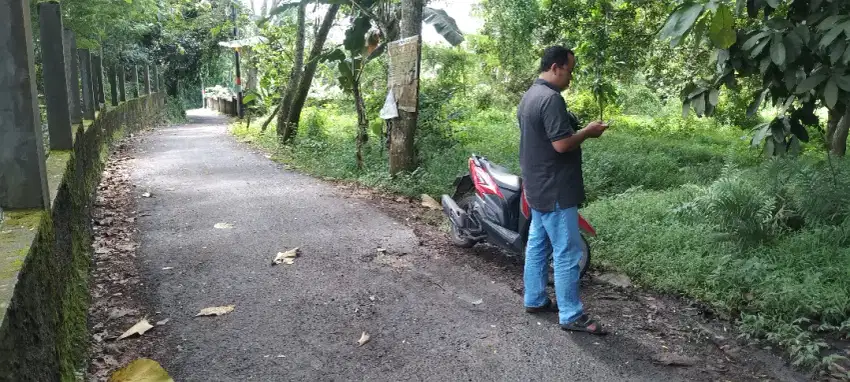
x,y
595,129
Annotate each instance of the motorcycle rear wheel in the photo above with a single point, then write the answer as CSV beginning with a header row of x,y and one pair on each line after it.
x,y
459,239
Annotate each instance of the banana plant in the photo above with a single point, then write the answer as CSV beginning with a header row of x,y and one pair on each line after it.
x,y
256,102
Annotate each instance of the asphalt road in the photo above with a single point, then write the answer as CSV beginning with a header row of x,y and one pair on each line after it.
x,y
359,271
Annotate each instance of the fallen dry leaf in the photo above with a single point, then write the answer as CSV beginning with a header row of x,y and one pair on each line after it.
x,y
216,311
429,202
223,226
364,338
140,328
141,370
162,322
287,257
146,195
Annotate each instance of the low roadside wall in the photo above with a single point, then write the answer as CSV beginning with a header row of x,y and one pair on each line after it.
x,y
45,256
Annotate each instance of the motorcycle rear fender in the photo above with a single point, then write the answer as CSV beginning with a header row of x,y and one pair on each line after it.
x,y
463,185
585,227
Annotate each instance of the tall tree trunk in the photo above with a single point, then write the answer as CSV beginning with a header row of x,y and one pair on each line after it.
x,y
839,139
269,119
362,122
403,129
294,75
831,125
309,71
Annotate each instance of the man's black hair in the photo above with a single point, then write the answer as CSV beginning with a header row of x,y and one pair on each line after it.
x,y
555,55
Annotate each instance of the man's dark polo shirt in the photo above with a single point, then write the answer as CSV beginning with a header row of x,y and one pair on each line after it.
x,y
549,177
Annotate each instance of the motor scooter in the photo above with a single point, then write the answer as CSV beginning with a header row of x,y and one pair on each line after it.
x,y
489,204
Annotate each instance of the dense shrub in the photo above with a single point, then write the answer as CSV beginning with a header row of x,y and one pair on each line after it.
x,y
638,99
175,109
768,245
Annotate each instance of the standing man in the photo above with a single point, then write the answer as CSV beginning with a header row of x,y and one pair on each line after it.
x,y
550,158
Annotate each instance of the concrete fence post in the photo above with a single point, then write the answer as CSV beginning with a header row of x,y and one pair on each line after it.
x,y
23,178
155,81
97,72
86,79
55,81
122,87
113,85
146,80
72,69
136,91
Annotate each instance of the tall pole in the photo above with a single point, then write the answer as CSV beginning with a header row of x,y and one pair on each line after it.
x,y
239,112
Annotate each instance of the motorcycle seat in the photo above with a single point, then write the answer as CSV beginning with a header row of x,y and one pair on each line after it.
x,y
504,177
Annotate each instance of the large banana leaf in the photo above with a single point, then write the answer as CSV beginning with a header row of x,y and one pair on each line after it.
x,y
444,24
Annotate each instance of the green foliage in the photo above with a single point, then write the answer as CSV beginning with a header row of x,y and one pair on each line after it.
x,y
636,99
794,48
700,241
175,111
585,105
511,25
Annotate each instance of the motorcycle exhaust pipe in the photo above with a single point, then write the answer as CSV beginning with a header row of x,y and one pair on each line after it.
x,y
454,212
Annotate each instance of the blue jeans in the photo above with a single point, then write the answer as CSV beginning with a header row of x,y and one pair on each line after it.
x,y
557,233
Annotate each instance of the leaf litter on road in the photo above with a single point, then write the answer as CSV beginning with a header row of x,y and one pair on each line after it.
x,y
147,195
121,312
141,370
223,226
216,311
139,328
287,257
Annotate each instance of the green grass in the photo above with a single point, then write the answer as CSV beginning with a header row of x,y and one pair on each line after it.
x,y
683,205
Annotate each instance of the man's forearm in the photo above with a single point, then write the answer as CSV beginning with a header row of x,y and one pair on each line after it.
x,y
570,143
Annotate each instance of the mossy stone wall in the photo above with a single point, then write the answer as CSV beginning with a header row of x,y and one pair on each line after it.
x,y
44,334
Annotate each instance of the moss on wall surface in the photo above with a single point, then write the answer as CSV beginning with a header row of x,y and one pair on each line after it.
x,y
43,335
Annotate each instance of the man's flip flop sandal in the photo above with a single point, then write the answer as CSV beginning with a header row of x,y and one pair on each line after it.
x,y
584,324
549,306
